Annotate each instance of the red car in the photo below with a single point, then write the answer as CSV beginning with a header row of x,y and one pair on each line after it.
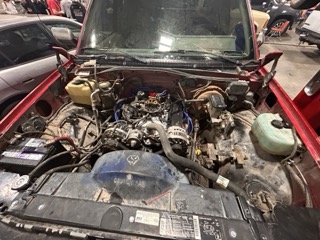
x,y
164,125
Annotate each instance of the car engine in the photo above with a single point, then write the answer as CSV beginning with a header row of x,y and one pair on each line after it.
x,y
131,129
136,136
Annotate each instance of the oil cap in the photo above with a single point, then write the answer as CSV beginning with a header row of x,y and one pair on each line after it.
x,y
78,81
277,124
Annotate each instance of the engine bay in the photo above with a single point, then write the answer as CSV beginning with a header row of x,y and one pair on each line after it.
x,y
149,141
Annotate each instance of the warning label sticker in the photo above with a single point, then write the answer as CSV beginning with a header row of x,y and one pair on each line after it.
x,y
20,155
196,226
34,142
149,218
180,226
222,181
189,227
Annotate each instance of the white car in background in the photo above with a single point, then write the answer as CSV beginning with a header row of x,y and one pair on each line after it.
x,y
26,57
261,20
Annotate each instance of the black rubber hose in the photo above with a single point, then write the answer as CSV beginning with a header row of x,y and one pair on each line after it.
x,y
57,169
187,163
295,147
299,179
46,161
309,202
301,184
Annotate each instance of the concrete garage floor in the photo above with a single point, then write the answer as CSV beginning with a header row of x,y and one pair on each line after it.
x,y
298,63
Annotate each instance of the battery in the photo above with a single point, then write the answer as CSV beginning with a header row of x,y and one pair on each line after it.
x,y
27,153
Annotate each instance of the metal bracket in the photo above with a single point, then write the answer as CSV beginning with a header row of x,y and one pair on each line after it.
x,y
268,78
271,74
273,56
60,65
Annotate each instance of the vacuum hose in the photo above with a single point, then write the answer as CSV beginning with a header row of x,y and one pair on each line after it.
x,y
302,185
187,163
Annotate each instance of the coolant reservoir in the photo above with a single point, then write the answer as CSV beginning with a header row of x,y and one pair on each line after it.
x,y
272,135
79,90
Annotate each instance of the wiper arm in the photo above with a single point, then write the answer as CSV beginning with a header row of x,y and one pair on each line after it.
x,y
131,57
113,54
204,53
210,54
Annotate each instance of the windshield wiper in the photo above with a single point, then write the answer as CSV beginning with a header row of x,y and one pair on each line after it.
x,y
205,54
113,54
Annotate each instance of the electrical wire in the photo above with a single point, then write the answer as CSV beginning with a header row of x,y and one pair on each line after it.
x,y
201,88
106,121
52,132
85,118
191,124
93,141
46,161
189,121
116,115
84,134
182,91
69,140
75,165
163,93
84,159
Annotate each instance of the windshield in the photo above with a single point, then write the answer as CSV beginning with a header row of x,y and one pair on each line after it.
x,y
146,27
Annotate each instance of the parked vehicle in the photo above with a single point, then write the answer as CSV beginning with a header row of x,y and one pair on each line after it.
x,y
165,125
261,20
260,23
26,57
279,11
303,4
309,30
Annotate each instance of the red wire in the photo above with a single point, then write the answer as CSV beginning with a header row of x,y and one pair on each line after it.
x,y
69,140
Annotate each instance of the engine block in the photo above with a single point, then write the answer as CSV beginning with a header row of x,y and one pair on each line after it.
x,y
132,117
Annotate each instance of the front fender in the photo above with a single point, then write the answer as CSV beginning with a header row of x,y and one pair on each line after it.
x,y
282,12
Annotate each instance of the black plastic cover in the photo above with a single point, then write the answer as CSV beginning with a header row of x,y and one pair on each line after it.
x,y
239,88
291,223
217,101
138,193
112,200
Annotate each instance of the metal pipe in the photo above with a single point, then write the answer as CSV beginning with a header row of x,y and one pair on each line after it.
x,y
95,110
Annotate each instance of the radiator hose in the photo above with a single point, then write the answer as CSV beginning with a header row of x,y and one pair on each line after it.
x,y
187,163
